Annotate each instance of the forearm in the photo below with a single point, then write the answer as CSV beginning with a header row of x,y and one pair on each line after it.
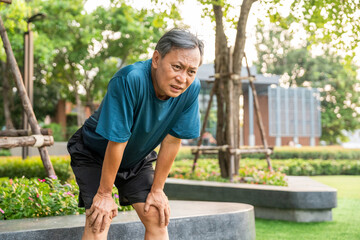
x,y
113,156
168,150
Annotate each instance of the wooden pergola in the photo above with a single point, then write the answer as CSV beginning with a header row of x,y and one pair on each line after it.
x,y
199,149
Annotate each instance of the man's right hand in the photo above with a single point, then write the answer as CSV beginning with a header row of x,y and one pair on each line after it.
x,y
102,210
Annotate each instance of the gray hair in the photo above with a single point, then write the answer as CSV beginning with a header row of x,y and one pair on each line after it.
x,y
179,38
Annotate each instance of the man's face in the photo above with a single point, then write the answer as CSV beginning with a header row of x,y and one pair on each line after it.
x,y
174,73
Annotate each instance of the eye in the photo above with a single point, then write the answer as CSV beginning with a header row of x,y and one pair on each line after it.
x,y
192,72
177,67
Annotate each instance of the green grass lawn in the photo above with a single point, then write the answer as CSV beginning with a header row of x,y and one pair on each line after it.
x,y
346,216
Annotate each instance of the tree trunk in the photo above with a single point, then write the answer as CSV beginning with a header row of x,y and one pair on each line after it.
x,y
89,85
90,100
6,96
221,63
80,109
238,55
229,107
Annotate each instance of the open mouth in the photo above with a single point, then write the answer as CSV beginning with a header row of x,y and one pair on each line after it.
x,y
176,87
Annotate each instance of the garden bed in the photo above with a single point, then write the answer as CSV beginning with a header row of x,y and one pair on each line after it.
x,y
303,200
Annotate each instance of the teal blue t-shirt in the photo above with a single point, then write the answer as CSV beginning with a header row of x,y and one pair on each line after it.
x,y
130,111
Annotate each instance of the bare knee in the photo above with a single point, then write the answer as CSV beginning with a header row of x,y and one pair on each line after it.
x,y
90,235
151,219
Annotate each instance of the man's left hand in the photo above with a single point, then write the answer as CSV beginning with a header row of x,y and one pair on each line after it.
x,y
158,199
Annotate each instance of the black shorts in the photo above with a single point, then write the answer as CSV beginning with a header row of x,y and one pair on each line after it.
x,y
133,184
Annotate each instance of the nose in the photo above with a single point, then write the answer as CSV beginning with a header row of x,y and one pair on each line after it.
x,y
181,77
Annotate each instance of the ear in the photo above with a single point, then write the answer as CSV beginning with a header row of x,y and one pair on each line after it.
x,y
155,59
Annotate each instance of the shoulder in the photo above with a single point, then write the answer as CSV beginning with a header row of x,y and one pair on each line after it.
x,y
136,71
132,78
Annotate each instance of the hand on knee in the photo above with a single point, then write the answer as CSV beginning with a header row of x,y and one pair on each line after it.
x,y
151,219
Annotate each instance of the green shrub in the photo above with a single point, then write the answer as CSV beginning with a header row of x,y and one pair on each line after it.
x,y
33,167
325,153
256,171
5,152
29,198
70,130
57,130
71,119
301,167
208,170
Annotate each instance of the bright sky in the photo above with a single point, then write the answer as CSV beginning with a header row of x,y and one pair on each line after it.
x,y
191,13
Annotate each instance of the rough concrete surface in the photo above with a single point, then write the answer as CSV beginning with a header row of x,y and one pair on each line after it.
x,y
304,200
189,221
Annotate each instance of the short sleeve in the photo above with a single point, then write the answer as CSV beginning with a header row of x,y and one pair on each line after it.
x,y
116,116
188,125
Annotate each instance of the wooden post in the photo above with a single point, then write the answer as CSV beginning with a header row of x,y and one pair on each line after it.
x,y
28,78
204,126
230,119
258,114
25,99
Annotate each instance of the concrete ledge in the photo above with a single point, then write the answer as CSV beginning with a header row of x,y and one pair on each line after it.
x,y
304,200
189,220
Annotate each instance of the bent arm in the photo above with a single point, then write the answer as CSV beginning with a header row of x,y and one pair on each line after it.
x,y
104,208
113,156
157,198
168,150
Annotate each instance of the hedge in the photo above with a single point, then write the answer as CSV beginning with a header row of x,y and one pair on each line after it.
x,y
324,153
301,167
294,167
5,152
29,198
208,170
33,167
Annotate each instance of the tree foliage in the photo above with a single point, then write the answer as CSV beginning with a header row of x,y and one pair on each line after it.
x,y
328,22
14,20
334,23
76,52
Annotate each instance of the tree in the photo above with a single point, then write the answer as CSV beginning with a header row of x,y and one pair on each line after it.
x,y
333,76
126,36
15,25
83,50
100,42
307,12
46,94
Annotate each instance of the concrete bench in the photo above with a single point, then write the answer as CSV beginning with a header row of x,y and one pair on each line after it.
x,y
189,221
304,200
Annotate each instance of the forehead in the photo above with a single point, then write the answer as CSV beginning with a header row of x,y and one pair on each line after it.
x,y
184,55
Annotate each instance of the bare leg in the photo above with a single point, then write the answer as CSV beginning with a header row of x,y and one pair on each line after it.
x,y
151,221
90,235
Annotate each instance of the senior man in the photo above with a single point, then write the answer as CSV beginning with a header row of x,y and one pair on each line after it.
x,y
147,103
